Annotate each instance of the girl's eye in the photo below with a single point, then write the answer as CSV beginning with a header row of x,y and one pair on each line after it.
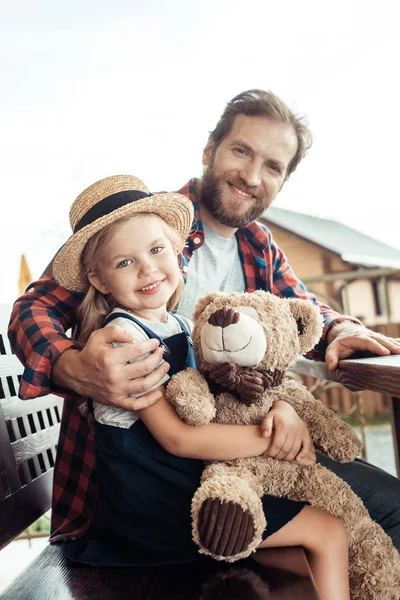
x,y
156,250
124,263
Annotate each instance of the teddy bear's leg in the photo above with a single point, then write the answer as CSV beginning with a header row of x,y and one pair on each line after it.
x,y
374,563
227,514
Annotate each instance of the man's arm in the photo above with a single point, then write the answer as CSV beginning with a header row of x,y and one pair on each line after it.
x,y
342,335
346,338
37,332
288,285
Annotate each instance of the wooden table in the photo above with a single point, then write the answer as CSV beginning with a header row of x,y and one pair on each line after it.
x,y
376,373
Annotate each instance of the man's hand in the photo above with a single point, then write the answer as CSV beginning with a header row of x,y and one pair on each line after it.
x,y
103,372
346,338
289,435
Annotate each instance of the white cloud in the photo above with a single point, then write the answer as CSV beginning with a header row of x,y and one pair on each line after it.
x,y
91,89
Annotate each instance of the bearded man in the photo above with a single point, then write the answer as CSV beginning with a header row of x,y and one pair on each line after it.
x,y
254,148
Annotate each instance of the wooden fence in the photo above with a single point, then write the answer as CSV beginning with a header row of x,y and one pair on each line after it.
x,y
342,400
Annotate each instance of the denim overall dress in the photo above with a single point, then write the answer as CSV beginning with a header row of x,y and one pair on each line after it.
x,y
142,516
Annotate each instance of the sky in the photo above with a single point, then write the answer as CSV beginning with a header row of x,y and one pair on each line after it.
x,y
91,89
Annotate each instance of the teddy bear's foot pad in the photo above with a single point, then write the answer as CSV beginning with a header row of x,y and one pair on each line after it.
x,y
225,529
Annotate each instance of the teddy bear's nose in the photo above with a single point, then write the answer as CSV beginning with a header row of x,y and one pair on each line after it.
x,y
224,317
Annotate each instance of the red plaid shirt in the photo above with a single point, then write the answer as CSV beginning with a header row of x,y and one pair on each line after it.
x,y
37,333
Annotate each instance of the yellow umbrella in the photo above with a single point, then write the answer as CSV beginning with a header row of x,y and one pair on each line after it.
x,y
25,277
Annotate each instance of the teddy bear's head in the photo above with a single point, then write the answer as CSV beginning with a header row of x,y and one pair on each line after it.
x,y
253,330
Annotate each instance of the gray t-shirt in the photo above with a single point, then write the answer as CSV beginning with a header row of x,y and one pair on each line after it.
x,y
215,266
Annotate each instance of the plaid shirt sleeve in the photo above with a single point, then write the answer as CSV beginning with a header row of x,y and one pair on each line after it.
x,y
37,331
287,284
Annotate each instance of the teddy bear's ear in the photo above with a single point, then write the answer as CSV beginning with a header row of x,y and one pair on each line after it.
x,y
309,322
203,303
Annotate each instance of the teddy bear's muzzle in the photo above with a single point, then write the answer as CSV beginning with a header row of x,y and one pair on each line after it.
x,y
232,336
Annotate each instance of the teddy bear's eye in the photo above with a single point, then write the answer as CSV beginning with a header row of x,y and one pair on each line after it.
x,y
249,311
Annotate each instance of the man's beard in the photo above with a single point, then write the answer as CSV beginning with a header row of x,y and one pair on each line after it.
x,y
211,191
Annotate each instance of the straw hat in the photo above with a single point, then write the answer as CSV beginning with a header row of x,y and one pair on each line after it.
x,y
105,202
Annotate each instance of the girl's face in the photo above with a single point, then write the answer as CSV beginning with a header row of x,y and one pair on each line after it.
x,y
139,268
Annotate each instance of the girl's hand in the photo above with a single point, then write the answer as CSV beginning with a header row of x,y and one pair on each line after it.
x,y
290,439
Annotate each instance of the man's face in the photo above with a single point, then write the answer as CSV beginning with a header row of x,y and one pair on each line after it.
x,y
247,170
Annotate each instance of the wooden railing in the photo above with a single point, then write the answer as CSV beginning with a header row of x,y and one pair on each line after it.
x,y
380,374
342,400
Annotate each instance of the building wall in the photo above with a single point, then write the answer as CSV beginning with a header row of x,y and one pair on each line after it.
x,y
394,300
356,298
304,257
360,300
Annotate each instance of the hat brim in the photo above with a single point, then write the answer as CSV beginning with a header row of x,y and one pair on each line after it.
x,y
175,209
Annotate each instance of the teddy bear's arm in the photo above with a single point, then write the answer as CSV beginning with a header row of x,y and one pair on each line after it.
x,y
189,394
328,432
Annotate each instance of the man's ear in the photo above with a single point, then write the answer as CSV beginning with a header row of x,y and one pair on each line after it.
x,y
282,184
97,283
207,152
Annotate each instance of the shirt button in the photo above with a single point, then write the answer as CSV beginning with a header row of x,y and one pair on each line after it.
x,y
197,240
185,269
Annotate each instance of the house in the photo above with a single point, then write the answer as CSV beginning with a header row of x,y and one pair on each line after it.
x,y
349,270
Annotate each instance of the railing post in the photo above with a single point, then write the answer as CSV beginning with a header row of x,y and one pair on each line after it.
x,y
395,417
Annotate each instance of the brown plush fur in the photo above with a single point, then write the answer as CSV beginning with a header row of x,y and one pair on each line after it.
x,y
291,327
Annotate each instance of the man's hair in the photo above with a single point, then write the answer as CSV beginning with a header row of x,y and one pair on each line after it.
x,y
259,103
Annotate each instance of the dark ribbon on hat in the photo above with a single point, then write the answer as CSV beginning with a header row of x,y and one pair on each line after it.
x,y
107,205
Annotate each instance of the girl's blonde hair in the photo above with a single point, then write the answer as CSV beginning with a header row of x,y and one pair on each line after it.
x,y
96,306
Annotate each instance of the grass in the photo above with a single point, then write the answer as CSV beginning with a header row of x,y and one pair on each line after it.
x,y
42,524
381,419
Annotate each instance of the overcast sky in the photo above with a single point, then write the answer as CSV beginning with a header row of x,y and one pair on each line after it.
x,y
94,88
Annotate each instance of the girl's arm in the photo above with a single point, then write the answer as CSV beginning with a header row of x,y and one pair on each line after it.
x,y
206,442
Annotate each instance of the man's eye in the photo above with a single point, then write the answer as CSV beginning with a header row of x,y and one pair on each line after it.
x,y
275,167
156,250
124,263
240,151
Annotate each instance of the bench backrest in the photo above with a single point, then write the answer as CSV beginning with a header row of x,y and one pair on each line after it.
x,y
28,442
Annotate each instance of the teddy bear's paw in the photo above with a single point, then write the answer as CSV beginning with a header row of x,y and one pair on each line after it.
x,y
227,516
225,529
345,449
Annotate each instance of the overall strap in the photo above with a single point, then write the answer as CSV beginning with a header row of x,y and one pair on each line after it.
x,y
117,315
184,328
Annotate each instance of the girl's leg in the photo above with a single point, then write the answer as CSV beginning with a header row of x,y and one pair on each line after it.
x,y
324,539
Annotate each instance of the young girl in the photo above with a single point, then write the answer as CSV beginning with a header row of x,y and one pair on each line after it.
x,y
123,253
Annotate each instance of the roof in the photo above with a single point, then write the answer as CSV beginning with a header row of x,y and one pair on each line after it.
x,y
351,245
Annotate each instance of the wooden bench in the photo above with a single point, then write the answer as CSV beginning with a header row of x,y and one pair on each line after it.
x,y
28,438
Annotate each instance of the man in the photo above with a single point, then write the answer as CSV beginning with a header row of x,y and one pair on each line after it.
x,y
254,148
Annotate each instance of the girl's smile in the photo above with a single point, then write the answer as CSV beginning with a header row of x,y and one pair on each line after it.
x,y
152,288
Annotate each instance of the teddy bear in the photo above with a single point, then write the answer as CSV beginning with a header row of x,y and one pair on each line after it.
x,y
244,343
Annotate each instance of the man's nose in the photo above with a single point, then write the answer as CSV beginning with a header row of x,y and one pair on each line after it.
x,y
251,174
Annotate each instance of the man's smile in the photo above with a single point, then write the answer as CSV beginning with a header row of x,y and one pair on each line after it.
x,y
239,192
